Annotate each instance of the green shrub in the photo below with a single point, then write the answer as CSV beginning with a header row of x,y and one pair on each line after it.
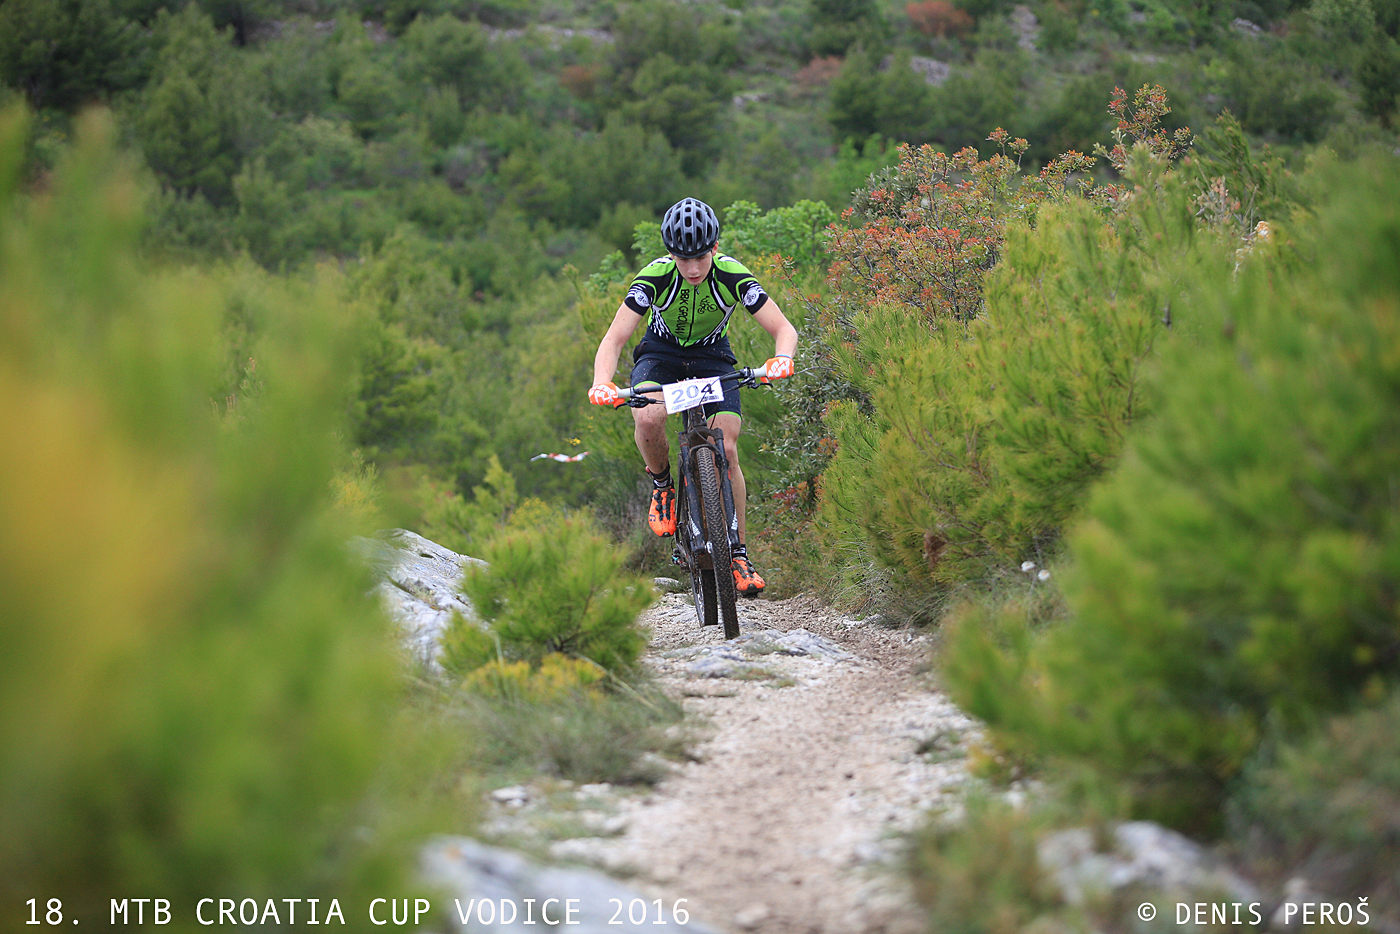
x,y
1274,94
1073,118
981,875
836,25
1237,569
372,96
444,51
673,74
1332,799
895,103
586,736
1074,313
296,69
557,586
1059,27
798,232
200,113
66,55
551,682
908,484
985,428
1378,75
1259,186
988,94
195,695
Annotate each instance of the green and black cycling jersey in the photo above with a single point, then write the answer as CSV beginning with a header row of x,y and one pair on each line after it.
x,y
685,315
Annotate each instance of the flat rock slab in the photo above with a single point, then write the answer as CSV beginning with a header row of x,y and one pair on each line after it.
x,y
420,586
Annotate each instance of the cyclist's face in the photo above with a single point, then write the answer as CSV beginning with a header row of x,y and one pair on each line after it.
x,y
695,270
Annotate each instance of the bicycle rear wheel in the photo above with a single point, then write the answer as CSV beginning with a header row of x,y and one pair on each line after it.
x,y
716,524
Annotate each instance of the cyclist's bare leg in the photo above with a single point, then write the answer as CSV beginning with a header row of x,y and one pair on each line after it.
x,y
650,433
729,424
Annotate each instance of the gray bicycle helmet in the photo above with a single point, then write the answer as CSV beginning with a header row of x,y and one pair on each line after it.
x,y
689,228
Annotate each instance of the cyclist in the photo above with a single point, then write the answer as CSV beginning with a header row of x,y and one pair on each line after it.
x,y
688,297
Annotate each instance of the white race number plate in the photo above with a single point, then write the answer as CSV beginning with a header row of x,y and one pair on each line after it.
x,y
689,393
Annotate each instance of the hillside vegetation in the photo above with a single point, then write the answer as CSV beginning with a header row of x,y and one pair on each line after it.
x,y
1101,327
458,159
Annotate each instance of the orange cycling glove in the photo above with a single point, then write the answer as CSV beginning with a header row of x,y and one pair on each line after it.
x,y
604,394
779,367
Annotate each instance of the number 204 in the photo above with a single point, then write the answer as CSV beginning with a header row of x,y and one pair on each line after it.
x,y
637,911
685,395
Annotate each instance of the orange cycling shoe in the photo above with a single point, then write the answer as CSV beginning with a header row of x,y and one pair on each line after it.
x,y
746,579
661,517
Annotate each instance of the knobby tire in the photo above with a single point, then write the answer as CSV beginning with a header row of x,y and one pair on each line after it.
x,y
717,531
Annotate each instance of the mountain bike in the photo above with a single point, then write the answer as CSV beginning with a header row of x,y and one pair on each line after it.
x,y
707,528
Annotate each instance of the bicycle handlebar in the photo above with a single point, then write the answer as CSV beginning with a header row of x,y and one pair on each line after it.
x,y
746,376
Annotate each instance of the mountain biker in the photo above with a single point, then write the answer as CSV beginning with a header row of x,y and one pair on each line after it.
x,y
688,297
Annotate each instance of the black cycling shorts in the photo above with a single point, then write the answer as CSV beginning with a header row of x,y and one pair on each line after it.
x,y
655,361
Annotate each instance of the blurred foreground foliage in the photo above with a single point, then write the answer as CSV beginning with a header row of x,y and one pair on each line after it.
x,y
1236,572
1331,803
1134,447
196,698
1217,647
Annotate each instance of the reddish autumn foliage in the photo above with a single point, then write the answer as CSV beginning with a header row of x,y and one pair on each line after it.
x,y
939,18
937,226
819,71
978,421
1139,120
579,80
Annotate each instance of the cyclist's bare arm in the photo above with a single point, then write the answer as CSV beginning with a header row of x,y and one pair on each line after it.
x,y
771,318
624,325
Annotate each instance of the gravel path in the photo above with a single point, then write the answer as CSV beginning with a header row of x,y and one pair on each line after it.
x,y
824,743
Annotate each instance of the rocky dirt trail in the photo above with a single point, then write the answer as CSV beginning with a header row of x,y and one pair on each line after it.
x,y
823,742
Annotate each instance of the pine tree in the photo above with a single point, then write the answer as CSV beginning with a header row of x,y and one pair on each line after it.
x,y
1236,572
195,693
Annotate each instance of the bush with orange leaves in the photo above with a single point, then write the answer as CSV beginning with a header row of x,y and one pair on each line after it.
x,y
935,225
1141,120
939,18
982,406
925,232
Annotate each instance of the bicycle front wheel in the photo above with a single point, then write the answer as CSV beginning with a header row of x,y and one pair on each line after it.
x,y
716,525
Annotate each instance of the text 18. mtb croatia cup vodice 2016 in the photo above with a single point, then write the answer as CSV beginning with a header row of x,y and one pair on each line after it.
x,y
707,530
